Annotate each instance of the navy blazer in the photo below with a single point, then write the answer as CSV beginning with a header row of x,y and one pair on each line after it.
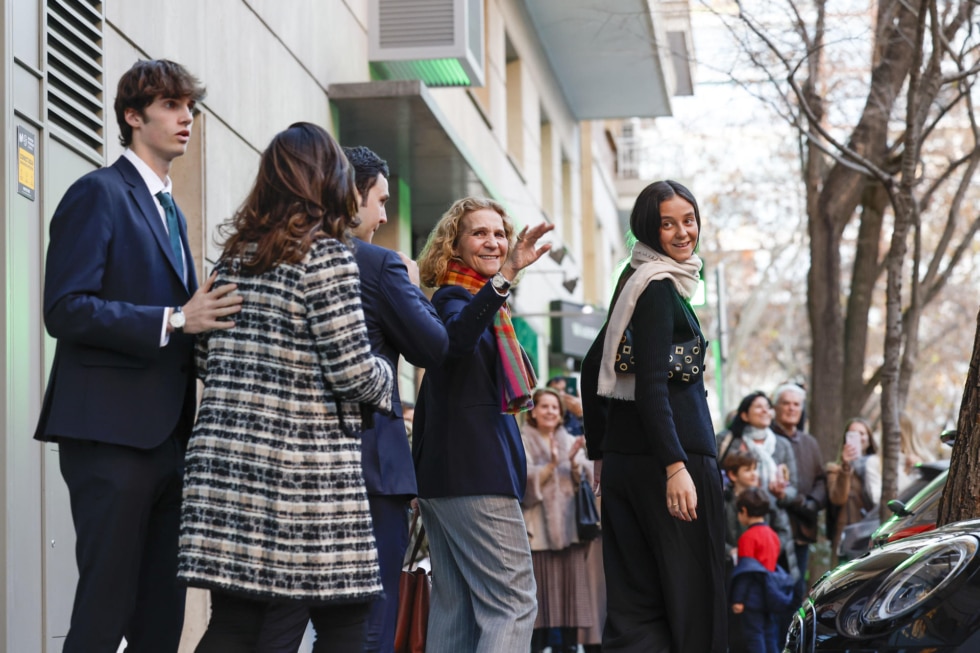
x,y
109,275
668,419
462,444
400,320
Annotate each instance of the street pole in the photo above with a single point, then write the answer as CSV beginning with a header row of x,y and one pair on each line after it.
x,y
720,348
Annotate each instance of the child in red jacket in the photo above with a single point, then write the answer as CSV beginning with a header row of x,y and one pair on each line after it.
x,y
761,590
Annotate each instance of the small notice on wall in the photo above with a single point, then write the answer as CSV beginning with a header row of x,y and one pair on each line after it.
x,y
26,159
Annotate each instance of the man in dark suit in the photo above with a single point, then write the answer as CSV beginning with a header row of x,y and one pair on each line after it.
x,y
122,300
400,321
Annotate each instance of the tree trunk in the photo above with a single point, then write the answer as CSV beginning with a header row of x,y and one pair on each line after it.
x,y
906,211
890,396
839,196
864,278
961,497
826,328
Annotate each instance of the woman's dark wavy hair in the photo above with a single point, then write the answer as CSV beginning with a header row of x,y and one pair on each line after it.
x,y
304,191
645,221
739,424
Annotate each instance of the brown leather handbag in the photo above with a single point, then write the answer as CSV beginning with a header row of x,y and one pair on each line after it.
x,y
413,601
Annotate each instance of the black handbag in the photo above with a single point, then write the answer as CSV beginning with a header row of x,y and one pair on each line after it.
x,y
686,361
686,358
624,353
586,512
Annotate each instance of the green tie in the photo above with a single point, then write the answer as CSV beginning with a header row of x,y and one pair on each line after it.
x,y
170,211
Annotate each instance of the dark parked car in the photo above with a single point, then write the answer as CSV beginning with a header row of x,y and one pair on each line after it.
x,y
855,538
917,594
917,516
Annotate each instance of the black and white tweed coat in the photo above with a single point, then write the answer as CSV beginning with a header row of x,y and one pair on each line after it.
x,y
274,502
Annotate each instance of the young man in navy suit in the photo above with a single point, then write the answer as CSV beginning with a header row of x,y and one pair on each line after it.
x,y
122,300
400,321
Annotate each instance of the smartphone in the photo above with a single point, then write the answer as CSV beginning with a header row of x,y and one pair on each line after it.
x,y
571,385
853,437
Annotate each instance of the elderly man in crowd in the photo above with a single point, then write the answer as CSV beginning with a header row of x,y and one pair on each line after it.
x,y
789,400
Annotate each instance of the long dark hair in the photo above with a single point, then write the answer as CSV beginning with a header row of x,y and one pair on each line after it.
x,y
304,191
645,221
739,424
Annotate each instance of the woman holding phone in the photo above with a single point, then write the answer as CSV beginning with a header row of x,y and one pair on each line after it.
x,y
854,481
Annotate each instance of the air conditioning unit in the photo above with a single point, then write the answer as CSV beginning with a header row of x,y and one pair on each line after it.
x,y
437,41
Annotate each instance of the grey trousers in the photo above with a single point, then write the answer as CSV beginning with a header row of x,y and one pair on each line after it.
x,y
483,592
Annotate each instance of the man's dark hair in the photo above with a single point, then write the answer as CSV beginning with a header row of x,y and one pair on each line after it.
x,y
367,166
146,81
754,500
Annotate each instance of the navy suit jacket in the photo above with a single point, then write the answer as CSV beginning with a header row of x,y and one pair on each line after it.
x,y
109,275
462,443
400,320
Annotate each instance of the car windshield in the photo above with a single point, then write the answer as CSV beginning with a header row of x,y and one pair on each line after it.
x,y
929,493
924,509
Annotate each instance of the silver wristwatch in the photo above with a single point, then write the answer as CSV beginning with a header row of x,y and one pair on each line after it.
x,y
500,283
177,319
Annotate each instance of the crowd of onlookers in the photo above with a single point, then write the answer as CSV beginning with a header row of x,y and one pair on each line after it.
x,y
766,454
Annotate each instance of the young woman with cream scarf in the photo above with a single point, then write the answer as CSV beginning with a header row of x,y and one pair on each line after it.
x,y
652,438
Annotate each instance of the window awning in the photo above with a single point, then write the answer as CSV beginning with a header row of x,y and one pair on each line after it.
x,y
401,122
616,58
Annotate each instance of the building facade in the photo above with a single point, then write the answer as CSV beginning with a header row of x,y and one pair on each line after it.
x,y
524,115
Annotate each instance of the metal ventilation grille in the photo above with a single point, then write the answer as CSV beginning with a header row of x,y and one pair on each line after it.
x,y
74,72
416,23
437,41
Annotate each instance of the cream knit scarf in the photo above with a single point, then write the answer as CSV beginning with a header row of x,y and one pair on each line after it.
x,y
762,442
650,265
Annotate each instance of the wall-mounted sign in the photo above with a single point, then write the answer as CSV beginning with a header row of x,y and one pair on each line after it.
x,y
26,159
573,328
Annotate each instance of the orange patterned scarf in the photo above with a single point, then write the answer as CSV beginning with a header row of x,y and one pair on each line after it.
x,y
516,371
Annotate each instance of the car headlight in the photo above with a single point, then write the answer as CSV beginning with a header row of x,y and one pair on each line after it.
x,y
917,579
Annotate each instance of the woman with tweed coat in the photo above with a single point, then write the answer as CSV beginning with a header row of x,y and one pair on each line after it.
x,y
275,508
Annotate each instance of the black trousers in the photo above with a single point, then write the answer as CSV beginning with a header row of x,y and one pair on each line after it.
x,y
285,624
125,504
665,578
236,624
